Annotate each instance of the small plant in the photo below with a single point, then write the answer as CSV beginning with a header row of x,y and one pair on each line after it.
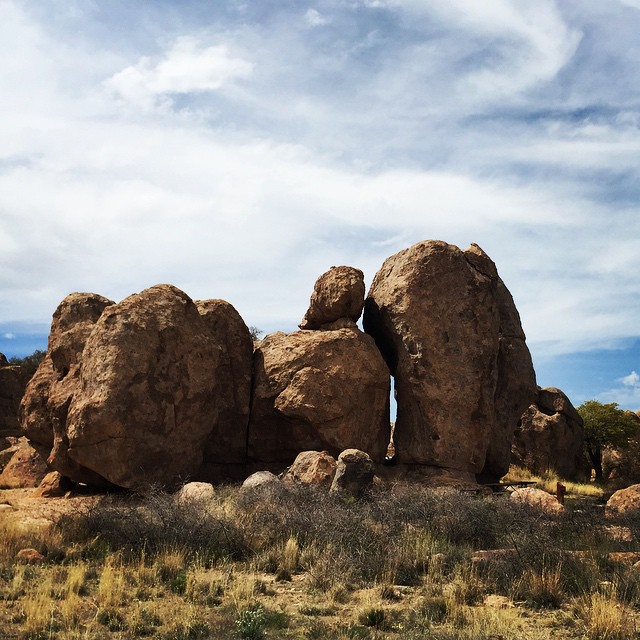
x,y
111,619
372,617
250,623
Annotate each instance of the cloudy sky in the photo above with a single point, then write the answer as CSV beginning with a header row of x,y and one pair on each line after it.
x,y
239,149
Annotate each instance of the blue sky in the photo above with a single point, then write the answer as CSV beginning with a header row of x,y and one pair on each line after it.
x,y
239,149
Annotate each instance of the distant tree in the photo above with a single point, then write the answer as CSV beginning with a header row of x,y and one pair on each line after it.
x,y
605,425
255,332
29,363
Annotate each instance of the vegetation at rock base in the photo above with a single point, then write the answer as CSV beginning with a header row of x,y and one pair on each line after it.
x,y
605,425
285,561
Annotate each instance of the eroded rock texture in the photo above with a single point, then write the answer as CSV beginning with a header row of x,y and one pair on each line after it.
x,y
551,436
318,390
12,385
451,335
337,295
225,451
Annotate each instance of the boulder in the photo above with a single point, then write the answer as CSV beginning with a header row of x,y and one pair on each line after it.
x,y
25,468
53,485
225,450
538,499
551,436
12,385
312,467
321,391
30,556
354,473
259,479
451,335
195,492
44,407
337,295
148,397
624,502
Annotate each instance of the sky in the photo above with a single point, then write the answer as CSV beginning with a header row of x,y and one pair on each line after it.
x,y
239,149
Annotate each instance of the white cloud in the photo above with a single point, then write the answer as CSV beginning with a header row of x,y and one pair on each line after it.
x,y
186,67
315,19
626,394
9,336
632,380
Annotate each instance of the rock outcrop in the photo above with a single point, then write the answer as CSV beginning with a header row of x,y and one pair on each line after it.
x,y
551,436
312,467
354,473
12,385
24,469
225,450
451,335
624,502
337,295
318,390
538,499
134,393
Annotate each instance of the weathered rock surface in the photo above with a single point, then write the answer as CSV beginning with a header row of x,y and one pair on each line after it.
x,y
451,335
537,498
147,403
225,452
318,390
624,502
25,468
53,485
12,385
312,467
195,492
46,401
551,436
337,294
354,473
260,478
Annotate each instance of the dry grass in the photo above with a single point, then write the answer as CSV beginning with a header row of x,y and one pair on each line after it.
x,y
296,562
548,482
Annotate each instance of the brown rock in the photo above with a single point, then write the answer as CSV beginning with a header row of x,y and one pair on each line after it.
x,y
337,294
46,401
53,485
318,390
30,556
312,467
451,335
551,436
354,473
259,479
225,453
537,498
624,502
12,384
195,492
148,399
25,468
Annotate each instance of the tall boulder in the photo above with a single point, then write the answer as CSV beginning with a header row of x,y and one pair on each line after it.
x,y
225,450
318,390
451,335
551,436
337,295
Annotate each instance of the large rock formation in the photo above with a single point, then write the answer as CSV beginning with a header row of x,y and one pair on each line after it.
x,y
337,295
133,393
12,385
318,390
451,335
225,451
551,436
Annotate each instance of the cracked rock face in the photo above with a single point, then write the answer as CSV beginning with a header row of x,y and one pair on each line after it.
x,y
318,390
451,335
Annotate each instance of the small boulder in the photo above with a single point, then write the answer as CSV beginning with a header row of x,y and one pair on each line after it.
x,y
259,479
312,467
624,502
53,485
25,469
537,498
30,556
337,294
195,492
354,473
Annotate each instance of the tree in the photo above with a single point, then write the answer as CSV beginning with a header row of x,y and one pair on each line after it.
x,y
605,426
255,332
